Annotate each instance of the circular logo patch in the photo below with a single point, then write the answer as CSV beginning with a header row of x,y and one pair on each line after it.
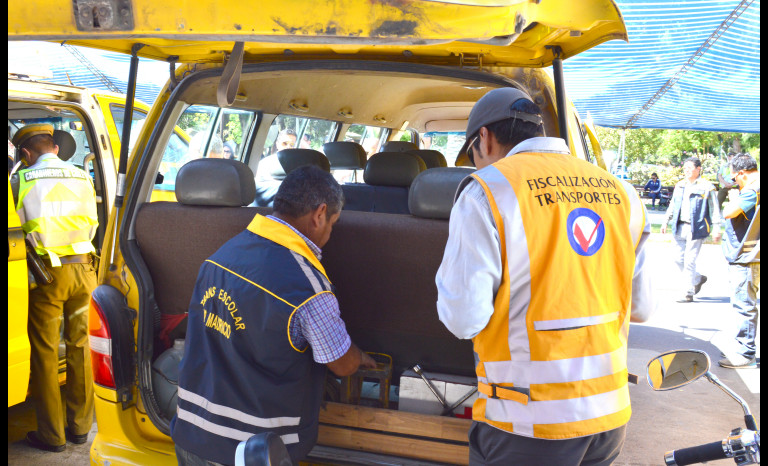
x,y
586,231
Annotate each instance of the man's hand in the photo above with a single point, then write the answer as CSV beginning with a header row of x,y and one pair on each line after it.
x,y
367,362
716,237
664,228
352,360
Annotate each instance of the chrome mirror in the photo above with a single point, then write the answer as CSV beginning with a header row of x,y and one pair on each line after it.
x,y
676,368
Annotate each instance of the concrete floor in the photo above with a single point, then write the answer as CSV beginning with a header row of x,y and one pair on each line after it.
x,y
696,414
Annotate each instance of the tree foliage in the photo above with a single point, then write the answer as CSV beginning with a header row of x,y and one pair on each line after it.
x,y
663,151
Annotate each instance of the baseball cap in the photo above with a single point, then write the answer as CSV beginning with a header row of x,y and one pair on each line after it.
x,y
497,105
28,131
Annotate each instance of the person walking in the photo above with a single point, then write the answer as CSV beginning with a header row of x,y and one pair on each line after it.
x,y
543,269
741,246
56,203
694,214
263,325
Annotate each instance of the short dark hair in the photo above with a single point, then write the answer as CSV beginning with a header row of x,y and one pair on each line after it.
x,y
654,174
511,131
694,160
39,143
304,189
743,161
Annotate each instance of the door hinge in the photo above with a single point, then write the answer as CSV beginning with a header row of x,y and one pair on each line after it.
x,y
103,15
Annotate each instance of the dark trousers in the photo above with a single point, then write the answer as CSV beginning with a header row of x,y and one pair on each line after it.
x,y
491,446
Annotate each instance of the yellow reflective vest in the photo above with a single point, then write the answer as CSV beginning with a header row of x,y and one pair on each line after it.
x,y
552,360
57,207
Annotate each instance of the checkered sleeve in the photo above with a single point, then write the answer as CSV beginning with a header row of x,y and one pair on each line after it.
x,y
320,323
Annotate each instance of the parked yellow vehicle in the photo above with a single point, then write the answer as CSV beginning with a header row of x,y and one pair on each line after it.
x,y
93,120
384,76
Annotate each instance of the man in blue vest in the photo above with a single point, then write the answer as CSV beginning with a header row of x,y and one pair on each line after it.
x,y
741,246
260,303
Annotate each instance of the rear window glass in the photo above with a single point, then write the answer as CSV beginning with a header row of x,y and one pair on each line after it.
x,y
291,132
447,143
370,137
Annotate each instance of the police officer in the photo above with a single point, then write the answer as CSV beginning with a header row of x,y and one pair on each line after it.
x,y
543,270
56,203
263,325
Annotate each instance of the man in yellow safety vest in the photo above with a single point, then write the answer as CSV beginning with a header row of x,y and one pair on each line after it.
x,y
56,203
542,270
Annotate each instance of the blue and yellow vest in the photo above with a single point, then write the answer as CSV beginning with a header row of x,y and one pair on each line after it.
x,y
57,207
552,360
241,374
739,246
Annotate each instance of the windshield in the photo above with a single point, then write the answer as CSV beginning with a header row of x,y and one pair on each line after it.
x,y
448,143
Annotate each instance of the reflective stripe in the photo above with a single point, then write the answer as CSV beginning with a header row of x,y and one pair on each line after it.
x,y
562,324
225,411
223,431
526,373
557,411
307,272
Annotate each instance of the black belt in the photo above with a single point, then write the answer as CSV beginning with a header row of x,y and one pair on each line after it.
x,y
73,259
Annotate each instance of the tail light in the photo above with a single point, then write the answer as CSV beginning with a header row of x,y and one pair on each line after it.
x,y
100,341
112,344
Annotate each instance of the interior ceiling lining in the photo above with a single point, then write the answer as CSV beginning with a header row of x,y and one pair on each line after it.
x,y
367,96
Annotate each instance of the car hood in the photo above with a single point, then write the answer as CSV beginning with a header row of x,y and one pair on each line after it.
x,y
482,33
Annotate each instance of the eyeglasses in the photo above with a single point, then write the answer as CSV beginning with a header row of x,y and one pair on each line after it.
x,y
470,152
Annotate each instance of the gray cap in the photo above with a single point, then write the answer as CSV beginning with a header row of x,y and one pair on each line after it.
x,y
494,106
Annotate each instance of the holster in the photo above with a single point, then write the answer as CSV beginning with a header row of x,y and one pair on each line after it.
x,y
37,266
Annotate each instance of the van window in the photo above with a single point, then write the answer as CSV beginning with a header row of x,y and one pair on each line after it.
x,y
291,132
370,137
118,114
447,143
204,131
64,120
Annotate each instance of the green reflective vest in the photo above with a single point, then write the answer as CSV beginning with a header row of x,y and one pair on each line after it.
x,y
57,208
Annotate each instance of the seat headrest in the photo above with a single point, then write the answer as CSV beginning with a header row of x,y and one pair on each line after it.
x,y
398,146
215,182
392,169
345,155
66,143
432,192
431,158
288,160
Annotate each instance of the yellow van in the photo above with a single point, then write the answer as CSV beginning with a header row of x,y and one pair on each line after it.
x,y
93,121
357,79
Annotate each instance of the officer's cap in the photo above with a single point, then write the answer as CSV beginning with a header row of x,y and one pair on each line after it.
x,y
28,131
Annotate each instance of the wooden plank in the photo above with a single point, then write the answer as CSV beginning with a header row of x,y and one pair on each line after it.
x,y
393,445
401,422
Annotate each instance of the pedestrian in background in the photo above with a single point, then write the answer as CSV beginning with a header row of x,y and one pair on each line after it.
x,y
653,188
741,246
724,177
695,215
56,203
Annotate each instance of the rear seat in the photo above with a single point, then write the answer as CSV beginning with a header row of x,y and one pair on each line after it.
x,y
383,266
387,177
431,158
398,146
272,171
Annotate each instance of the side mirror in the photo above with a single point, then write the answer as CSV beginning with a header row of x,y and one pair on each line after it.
x,y
76,125
676,368
265,449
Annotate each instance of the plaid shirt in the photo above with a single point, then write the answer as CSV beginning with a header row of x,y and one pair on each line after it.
x,y
318,321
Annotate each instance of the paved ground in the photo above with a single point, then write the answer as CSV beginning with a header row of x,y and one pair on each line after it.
x,y
696,414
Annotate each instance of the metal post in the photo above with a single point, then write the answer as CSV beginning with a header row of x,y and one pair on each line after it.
x,y
127,120
562,113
